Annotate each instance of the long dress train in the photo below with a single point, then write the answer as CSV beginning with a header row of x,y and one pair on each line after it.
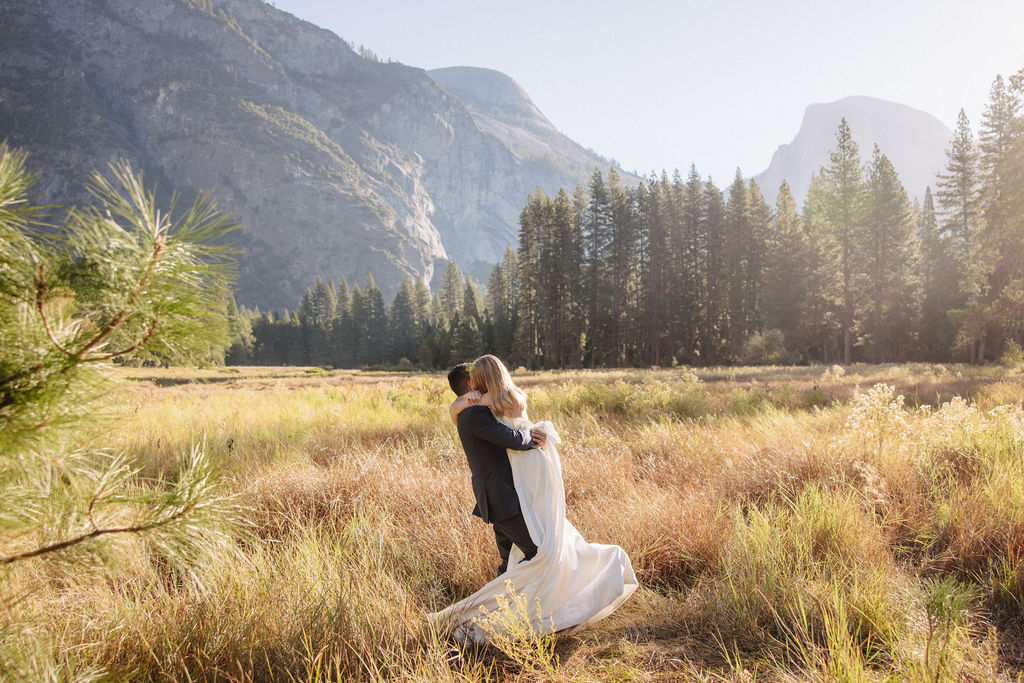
x,y
568,584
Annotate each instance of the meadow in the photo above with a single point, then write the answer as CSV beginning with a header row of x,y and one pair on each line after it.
x,y
786,523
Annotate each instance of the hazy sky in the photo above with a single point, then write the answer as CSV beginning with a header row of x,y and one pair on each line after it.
x,y
719,83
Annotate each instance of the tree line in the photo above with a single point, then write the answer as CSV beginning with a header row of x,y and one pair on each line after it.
x,y
343,327
679,271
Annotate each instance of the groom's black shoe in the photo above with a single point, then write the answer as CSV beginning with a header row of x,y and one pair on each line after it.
x,y
503,567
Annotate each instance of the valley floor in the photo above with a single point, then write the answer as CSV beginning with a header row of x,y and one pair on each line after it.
x,y
786,523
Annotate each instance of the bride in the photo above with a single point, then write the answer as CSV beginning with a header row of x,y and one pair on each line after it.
x,y
569,583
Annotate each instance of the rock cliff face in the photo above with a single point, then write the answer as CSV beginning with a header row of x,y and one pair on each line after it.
x,y
502,108
914,141
336,165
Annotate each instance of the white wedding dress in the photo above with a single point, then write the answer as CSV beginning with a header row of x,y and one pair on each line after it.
x,y
568,584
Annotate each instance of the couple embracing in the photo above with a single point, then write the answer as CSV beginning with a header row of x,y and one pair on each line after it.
x,y
567,583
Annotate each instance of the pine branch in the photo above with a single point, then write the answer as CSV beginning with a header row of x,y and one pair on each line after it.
x,y
96,532
41,290
141,343
129,309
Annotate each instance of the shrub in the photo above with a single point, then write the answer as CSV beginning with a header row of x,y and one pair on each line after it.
x,y
683,398
802,570
746,402
1012,356
767,348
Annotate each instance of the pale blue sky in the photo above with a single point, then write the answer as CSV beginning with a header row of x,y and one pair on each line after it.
x,y
660,84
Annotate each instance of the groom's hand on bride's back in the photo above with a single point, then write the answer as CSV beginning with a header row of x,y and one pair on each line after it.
x,y
539,438
481,424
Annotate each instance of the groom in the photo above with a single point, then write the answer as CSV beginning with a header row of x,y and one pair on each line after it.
x,y
485,441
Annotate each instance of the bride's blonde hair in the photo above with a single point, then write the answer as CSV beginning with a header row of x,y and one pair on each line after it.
x,y
506,398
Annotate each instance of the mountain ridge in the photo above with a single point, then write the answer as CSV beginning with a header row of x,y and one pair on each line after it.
x,y
502,108
337,165
914,140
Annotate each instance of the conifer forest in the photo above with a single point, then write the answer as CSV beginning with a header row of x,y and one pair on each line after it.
x,y
680,271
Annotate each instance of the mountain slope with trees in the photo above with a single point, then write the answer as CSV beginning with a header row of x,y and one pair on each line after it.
x,y
679,271
335,162
503,109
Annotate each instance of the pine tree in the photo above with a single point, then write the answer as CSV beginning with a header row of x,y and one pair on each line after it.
x,y
575,252
288,338
357,331
472,302
260,339
532,219
437,315
643,330
661,290
340,341
547,278
561,309
306,316
691,264
995,160
315,313
240,352
1001,166
737,238
375,315
438,345
327,313
487,332
960,206
940,291
714,329
759,223
621,268
845,215
403,329
473,309
503,300
466,341
822,301
891,256
960,202
332,298
597,236
451,291
422,299
785,272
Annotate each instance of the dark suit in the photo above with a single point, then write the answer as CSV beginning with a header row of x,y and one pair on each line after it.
x,y
485,441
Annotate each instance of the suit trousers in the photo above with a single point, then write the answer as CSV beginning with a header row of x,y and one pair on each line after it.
x,y
513,531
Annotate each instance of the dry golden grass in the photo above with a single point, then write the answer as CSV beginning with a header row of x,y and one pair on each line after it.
x,y
785,523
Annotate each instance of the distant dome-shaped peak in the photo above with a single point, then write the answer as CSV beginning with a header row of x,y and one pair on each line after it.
x,y
483,89
912,139
864,106
866,100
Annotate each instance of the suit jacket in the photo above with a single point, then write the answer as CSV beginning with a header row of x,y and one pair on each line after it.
x,y
485,441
